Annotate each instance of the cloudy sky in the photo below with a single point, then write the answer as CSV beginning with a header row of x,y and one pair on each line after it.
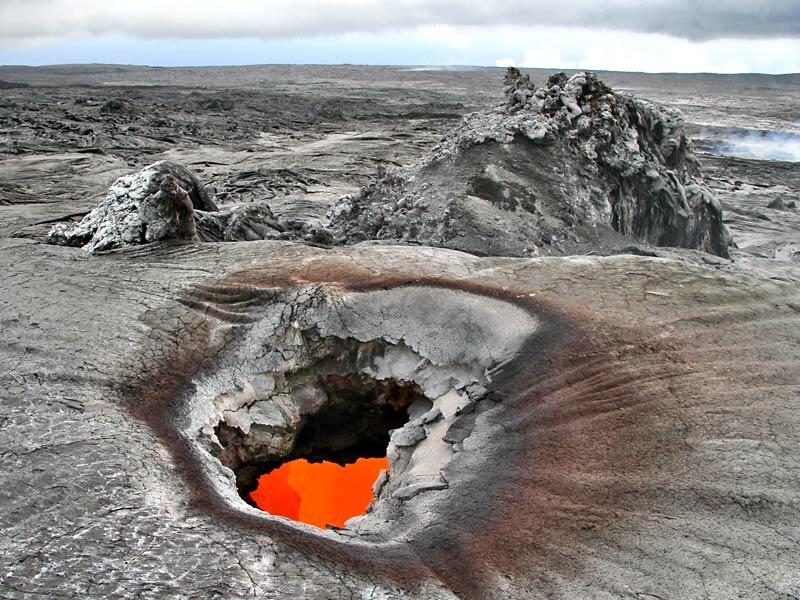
x,y
635,35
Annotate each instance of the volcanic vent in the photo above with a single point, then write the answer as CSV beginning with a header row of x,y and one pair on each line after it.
x,y
324,381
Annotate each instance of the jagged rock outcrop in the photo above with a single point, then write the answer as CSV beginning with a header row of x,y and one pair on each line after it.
x,y
518,88
571,167
164,201
153,204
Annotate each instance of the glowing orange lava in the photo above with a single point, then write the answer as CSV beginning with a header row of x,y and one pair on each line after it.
x,y
321,493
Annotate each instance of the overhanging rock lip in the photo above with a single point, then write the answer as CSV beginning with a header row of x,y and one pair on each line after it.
x,y
223,499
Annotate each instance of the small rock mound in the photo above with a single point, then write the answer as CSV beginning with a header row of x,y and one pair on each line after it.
x,y
567,168
115,107
163,201
779,204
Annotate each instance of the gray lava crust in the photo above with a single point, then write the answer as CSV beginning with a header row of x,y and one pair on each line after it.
x,y
555,170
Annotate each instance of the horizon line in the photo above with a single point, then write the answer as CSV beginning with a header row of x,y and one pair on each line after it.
x,y
396,65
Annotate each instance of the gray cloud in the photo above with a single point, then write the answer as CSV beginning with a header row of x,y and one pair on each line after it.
x,y
281,19
709,19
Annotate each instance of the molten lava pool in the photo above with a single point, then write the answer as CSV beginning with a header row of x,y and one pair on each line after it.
x,y
319,494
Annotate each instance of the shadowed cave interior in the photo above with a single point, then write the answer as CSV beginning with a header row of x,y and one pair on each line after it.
x,y
337,450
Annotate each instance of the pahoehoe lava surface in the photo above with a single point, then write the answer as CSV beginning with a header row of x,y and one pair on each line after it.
x,y
597,426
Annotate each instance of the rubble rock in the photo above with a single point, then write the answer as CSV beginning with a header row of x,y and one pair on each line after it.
x,y
168,213
518,89
164,201
572,168
154,204
408,436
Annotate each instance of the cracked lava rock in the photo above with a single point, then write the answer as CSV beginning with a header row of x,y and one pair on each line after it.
x,y
563,169
164,201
